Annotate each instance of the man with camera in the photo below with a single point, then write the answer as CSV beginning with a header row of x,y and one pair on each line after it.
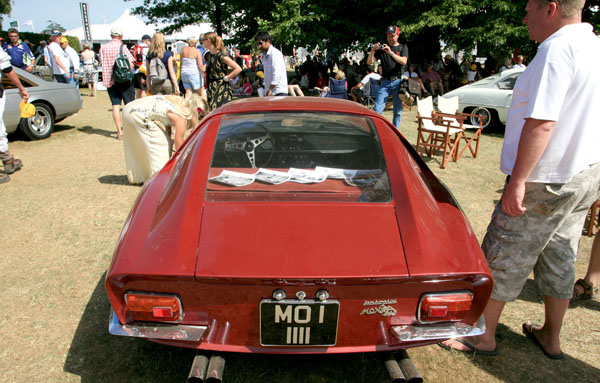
x,y
393,56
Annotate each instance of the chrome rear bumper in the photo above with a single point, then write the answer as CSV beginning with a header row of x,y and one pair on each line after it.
x,y
155,330
408,333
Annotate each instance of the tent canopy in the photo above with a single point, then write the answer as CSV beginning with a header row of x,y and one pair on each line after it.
x,y
134,28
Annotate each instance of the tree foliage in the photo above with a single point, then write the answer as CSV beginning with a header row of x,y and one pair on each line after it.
x,y
52,25
494,27
5,8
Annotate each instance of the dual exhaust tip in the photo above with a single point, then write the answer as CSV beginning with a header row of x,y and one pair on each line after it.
x,y
205,370
399,366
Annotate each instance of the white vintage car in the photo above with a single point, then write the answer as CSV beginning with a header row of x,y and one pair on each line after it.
x,y
489,97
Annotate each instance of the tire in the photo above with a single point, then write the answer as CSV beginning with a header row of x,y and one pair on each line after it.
x,y
489,116
39,126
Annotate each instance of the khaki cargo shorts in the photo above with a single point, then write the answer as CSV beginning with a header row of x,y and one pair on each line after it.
x,y
543,239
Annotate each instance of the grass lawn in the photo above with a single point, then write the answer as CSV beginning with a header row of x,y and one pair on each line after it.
x,y
62,215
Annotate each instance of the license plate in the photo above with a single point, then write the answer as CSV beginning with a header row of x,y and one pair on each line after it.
x,y
298,323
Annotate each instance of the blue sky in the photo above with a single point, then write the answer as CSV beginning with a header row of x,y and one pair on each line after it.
x,y
64,12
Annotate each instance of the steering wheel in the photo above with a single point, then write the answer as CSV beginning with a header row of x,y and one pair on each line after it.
x,y
244,139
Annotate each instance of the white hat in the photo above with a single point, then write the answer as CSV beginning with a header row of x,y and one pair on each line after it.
x,y
116,31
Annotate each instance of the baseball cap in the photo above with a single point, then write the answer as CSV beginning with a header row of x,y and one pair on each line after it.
x,y
146,37
116,31
55,32
392,29
27,110
64,40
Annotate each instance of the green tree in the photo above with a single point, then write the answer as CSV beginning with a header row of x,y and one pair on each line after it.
x,y
5,9
52,25
494,27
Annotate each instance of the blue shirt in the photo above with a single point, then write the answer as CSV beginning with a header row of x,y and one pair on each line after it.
x,y
20,55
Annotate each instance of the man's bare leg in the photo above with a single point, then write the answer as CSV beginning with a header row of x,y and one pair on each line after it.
x,y
486,341
116,112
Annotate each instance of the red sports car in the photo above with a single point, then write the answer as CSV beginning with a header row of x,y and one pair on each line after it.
x,y
296,225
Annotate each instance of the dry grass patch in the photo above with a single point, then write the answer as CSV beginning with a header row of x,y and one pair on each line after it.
x,y
62,216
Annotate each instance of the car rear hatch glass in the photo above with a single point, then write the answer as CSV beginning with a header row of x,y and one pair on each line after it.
x,y
297,156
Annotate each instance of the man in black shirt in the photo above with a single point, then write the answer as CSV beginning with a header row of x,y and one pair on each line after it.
x,y
393,56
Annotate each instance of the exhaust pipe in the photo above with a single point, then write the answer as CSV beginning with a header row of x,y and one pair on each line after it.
x,y
198,370
408,368
393,368
215,369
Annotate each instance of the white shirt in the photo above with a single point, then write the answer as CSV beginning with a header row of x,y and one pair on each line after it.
x,y
73,58
275,73
55,50
519,66
561,84
366,81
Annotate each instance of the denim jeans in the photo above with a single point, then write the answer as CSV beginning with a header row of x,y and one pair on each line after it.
x,y
385,87
72,80
61,78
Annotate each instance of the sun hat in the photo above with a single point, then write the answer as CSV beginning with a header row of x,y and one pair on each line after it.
x,y
116,31
27,110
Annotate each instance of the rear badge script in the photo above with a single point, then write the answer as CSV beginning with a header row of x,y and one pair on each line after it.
x,y
382,307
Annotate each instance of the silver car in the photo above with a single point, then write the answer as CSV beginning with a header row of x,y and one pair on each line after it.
x,y
489,97
53,102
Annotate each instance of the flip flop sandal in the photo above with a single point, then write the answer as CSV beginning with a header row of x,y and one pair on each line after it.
x,y
4,178
471,350
588,291
528,331
12,166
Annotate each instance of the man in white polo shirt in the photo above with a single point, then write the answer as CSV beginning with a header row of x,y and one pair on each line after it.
x,y
552,160
59,60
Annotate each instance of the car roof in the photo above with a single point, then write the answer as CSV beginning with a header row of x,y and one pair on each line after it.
x,y
321,104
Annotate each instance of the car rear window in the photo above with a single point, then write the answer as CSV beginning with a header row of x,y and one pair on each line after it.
x,y
287,156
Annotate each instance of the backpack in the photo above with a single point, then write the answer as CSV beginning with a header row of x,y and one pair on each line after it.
x,y
122,70
138,55
157,72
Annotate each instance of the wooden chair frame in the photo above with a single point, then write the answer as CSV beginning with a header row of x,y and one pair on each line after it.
x,y
436,134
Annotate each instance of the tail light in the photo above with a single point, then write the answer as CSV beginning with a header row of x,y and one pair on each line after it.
x,y
444,307
148,307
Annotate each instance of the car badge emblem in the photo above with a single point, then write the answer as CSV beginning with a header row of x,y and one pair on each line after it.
x,y
301,295
379,306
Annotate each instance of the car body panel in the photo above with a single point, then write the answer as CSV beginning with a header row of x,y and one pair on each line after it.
x,y
64,99
222,258
494,92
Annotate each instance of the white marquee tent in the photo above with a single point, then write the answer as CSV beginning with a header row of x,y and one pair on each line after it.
x,y
134,28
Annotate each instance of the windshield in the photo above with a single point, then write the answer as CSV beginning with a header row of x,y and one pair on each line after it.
x,y
292,156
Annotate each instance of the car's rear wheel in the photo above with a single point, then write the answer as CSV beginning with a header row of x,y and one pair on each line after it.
x,y
486,115
39,126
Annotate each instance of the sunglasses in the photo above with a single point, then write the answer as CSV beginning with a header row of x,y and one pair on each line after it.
x,y
259,43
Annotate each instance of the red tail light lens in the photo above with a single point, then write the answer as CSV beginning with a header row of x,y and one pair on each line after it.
x,y
445,307
154,308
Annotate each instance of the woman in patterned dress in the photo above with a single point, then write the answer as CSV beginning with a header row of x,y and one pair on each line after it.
x,y
89,72
217,65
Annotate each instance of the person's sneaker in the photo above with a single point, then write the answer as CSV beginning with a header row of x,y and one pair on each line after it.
x,y
12,166
4,178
